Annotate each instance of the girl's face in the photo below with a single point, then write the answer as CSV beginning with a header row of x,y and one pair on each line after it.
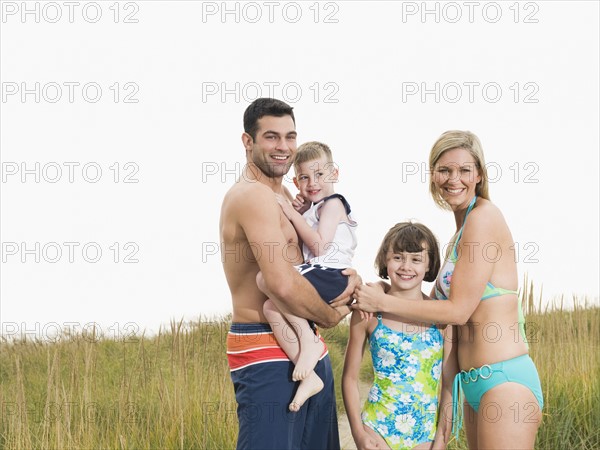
x,y
407,270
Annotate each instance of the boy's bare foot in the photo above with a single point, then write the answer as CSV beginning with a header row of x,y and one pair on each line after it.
x,y
311,350
308,387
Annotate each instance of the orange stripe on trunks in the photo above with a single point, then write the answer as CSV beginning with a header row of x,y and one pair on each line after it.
x,y
254,343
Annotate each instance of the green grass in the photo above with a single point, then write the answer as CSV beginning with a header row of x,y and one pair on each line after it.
x,y
169,391
173,390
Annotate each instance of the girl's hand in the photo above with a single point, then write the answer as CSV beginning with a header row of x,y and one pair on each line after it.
x,y
438,444
366,442
368,297
285,206
442,434
300,204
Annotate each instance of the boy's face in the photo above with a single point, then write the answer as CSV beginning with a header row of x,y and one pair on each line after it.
x,y
315,179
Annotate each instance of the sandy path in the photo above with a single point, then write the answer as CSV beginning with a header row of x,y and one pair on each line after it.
x,y
346,441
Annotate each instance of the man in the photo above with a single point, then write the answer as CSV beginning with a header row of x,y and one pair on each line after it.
x,y
256,235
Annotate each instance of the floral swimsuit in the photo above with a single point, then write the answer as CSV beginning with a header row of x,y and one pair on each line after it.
x,y
403,400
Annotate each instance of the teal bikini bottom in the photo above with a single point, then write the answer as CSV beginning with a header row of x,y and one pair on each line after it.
x,y
476,382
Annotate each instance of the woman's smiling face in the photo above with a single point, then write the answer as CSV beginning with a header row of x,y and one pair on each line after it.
x,y
456,175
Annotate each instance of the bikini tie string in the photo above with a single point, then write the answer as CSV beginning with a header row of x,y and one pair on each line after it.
x,y
457,413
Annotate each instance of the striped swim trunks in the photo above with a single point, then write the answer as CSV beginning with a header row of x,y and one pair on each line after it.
x,y
262,379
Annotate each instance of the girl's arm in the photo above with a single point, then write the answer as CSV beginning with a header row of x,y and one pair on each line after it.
x,y
350,391
472,271
330,215
449,371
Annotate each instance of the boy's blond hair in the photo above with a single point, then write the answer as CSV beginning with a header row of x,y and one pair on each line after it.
x,y
309,151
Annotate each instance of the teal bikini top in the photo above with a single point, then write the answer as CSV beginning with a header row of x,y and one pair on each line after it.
x,y
442,285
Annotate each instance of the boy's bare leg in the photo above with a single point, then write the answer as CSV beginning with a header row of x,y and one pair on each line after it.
x,y
311,384
311,347
308,387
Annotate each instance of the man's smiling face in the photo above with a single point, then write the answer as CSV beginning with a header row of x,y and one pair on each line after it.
x,y
275,145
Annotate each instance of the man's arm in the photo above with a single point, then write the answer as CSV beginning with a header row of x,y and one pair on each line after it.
x,y
258,215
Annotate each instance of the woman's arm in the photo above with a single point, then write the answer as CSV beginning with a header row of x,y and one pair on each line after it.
x,y
472,271
350,377
449,371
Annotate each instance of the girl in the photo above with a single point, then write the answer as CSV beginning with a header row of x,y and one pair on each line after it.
x,y
409,358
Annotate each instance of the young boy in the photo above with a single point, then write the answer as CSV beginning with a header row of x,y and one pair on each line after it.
x,y
328,233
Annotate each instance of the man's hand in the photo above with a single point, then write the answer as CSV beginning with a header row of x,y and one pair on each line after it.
x,y
300,204
343,310
345,298
340,311
341,303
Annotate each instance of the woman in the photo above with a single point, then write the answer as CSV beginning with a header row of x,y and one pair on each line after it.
x,y
478,289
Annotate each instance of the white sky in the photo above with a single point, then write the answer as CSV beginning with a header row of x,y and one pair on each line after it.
x,y
523,76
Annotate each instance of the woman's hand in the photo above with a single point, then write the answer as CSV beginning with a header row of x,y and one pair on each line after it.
x,y
368,297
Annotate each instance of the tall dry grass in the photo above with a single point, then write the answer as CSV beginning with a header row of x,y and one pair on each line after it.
x,y
173,390
565,346
169,391
564,343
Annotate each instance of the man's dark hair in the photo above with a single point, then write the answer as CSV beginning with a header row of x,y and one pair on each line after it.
x,y
264,107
